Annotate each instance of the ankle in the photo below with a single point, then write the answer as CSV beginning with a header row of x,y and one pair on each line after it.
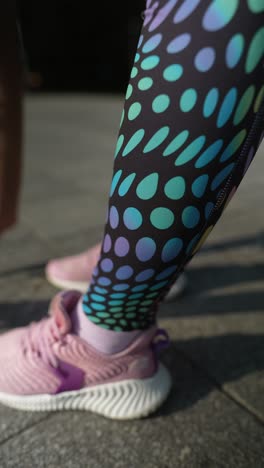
x,y
105,341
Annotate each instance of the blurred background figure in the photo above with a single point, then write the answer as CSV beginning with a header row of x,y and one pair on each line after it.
x,y
11,82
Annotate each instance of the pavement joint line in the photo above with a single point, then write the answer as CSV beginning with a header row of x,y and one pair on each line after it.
x,y
22,269
232,396
25,429
243,403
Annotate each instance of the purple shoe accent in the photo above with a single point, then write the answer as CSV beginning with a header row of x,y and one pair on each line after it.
x,y
160,341
71,377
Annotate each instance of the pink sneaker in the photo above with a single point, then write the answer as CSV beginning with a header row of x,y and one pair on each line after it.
x,y
45,367
75,272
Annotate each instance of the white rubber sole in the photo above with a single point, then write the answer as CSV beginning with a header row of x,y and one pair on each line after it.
x,y
176,290
127,399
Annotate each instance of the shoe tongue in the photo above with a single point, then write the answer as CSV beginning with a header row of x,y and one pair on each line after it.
x,y
61,307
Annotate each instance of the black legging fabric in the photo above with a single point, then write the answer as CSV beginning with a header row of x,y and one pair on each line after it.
x,y
191,125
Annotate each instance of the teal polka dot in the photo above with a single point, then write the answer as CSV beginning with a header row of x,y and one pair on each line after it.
x,y
199,185
222,176
227,107
159,285
115,181
120,142
175,188
256,6
96,306
111,321
122,117
152,43
147,188
147,302
156,139
121,287
208,209
134,72
150,62
95,319
244,104
135,324
100,290
160,103
161,218
103,314
145,83
134,302
209,154
190,151
126,184
137,57
136,295
132,218
210,102
134,141
188,100
153,294
171,249
140,287
117,295
176,143
129,91
233,146
123,322
97,298
255,51
134,111
219,14
167,272
87,309
234,50
193,243
190,217
115,302
173,72
115,309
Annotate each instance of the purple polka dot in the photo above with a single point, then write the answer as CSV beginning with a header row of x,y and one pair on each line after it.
x,y
205,58
107,243
104,281
121,246
107,265
145,275
95,271
124,272
145,249
113,217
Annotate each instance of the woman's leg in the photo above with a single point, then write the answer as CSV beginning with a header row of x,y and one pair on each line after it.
x,y
191,125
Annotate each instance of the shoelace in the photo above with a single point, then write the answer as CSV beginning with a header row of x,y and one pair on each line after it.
x,y
40,337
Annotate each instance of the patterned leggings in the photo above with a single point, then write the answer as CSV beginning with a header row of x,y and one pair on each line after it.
x,y
191,125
